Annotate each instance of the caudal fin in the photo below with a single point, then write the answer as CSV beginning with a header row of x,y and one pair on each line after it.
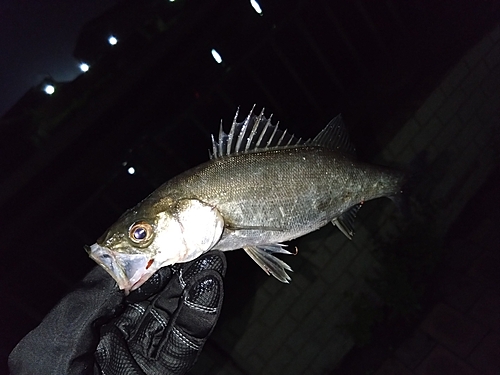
x,y
417,168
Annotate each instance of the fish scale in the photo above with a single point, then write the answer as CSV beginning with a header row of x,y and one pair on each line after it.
x,y
311,185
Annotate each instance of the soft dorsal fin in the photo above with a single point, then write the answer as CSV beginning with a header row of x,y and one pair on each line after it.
x,y
254,133
335,137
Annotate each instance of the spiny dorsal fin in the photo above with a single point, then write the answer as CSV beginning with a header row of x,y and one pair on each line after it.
x,y
254,133
335,137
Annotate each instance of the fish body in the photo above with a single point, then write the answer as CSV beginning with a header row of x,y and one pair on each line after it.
x,y
274,196
260,188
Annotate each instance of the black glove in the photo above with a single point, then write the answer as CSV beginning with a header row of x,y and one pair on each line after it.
x,y
94,329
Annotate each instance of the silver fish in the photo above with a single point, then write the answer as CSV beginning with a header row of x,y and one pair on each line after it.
x,y
261,187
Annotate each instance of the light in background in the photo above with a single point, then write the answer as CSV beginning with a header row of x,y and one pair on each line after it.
x,y
112,40
217,56
84,67
49,89
256,6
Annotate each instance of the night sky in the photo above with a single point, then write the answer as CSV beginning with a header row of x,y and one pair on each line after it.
x,y
37,39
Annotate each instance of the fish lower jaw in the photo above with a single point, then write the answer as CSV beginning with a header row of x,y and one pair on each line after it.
x,y
129,271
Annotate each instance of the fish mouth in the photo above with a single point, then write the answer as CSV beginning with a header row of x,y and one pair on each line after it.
x,y
129,271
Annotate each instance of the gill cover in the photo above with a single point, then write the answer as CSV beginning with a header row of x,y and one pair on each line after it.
x,y
182,233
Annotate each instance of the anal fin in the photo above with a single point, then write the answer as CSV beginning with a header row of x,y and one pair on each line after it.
x,y
262,255
345,222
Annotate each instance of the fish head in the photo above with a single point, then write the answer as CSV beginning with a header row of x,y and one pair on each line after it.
x,y
151,236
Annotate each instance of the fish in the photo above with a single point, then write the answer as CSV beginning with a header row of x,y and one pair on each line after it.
x,y
260,188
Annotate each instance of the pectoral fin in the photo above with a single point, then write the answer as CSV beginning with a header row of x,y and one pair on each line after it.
x,y
262,255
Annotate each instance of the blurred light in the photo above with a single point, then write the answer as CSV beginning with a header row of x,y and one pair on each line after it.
x,y
131,170
49,89
84,67
171,1
112,40
216,56
256,6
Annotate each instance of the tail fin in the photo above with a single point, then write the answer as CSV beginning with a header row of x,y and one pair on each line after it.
x,y
417,167
402,202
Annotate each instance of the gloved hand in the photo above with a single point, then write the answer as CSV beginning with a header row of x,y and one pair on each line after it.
x,y
159,328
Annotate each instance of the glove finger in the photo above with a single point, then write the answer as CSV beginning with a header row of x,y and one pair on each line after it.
x,y
154,285
168,300
211,260
192,322
201,304
113,355
202,297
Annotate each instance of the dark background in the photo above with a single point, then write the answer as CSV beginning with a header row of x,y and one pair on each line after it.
x,y
152,101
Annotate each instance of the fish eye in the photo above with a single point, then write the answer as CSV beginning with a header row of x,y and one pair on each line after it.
x,y
140,232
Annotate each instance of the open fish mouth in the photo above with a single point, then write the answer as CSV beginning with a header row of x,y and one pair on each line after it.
x,y
129,271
